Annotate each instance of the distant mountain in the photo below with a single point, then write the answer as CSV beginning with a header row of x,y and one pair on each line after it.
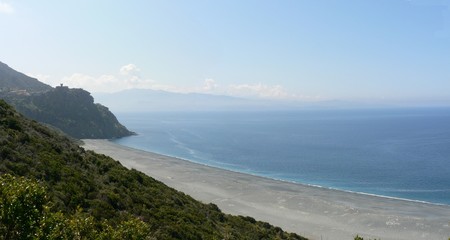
x,y
145,100
71,110
11,80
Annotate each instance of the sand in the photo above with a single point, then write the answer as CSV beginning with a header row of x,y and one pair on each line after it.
x,y
313,212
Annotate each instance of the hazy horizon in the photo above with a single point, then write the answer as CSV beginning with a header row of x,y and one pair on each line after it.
x,y
369,52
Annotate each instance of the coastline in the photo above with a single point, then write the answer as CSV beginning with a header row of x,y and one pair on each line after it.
x,y
284,180
312,211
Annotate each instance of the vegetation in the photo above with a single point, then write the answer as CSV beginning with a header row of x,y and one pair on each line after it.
x,y
74,112
78,186
71,110
25,214
357,237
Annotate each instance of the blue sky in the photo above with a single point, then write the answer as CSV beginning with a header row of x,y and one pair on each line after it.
x,y
393,51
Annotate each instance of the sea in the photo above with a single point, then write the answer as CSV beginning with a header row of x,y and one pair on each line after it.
x,y
398,153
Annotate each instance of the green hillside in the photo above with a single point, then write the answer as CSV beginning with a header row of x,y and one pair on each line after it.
x,y
108,193
74,112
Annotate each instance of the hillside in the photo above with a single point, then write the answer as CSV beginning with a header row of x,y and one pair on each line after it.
x,y
71,110
108,192
12,80
74,112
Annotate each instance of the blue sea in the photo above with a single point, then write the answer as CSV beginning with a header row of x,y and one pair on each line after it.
x,y
400,153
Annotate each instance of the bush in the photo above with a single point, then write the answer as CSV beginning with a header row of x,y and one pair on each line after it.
x,y
22,205
25,214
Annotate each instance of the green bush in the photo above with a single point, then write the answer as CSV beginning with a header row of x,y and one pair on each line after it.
x,y
25,214
22,205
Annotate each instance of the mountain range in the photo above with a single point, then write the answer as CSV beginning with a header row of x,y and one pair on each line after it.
x,y
146,100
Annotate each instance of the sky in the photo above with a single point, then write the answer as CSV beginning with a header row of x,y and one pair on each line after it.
x,y
362,50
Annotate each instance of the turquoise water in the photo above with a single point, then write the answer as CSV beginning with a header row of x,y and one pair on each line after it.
x,y
402,153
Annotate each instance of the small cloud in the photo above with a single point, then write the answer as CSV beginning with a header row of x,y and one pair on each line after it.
x,y
129,69
106,83
276,92
259,90
209,85
128,78
6,8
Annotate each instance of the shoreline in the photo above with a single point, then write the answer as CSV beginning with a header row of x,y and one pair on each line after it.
x,y
286,181
290,181
312,211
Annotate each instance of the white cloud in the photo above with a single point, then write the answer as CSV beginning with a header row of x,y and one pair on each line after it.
x,y
275,92
259,90
129,69
129,77
6,8
105,83
91,83
209,84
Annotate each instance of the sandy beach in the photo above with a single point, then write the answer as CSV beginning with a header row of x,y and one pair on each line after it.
x,y
313,212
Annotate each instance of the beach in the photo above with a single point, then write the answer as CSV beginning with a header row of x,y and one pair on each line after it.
x,y
313,212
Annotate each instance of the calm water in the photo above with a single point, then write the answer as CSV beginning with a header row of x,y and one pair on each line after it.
x,y
401,153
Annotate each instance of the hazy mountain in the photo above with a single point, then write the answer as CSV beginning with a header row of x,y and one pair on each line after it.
x,y
12,80
144,100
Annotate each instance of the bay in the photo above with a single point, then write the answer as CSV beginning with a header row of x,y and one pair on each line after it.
x,y
400,153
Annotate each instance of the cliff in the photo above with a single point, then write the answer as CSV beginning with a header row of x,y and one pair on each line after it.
x,y
71,110
74,112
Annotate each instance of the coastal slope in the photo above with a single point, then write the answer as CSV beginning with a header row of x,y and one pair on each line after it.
x,y
314,212
106,192
73,111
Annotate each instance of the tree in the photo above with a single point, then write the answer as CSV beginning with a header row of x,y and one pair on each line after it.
x,y
22,206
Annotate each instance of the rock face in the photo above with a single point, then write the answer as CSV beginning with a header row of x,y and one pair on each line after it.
x,y
71,110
